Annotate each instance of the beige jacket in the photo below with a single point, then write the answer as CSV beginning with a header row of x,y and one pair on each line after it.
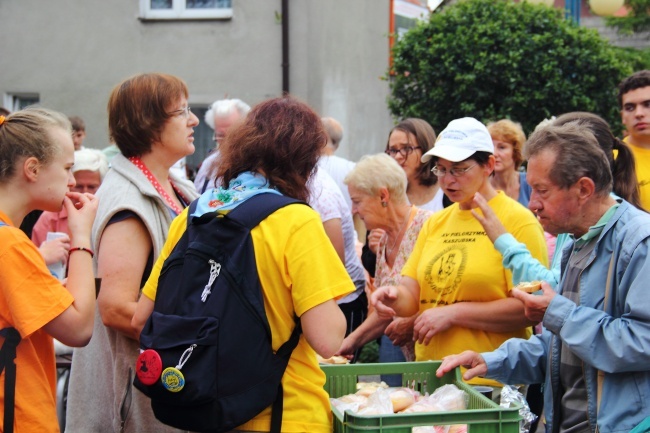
x,y
102,372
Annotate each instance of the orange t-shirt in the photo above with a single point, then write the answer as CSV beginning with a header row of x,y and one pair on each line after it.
x,y
30,297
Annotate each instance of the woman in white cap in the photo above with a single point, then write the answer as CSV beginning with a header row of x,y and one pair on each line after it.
x,y
454,278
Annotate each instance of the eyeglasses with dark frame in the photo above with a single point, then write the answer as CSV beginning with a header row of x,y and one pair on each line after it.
x,y
184,112
404,151
455,172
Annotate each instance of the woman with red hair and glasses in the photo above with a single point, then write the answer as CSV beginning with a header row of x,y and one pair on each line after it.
x,y
274,150
151,123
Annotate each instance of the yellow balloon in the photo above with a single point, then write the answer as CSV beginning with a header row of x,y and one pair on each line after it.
x,y
605,7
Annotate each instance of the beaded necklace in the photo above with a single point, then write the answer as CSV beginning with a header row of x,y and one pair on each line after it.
x,y
154,182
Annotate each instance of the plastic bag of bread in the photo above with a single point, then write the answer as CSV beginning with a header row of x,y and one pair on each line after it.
x,y
351,402
450,398
368,388
446,398
422,406
459,428
379,403
430,429
402,398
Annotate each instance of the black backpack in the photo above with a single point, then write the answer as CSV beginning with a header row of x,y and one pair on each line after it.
x,y
7,356
209,322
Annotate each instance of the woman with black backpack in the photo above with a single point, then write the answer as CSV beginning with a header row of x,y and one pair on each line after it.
x,y
273,152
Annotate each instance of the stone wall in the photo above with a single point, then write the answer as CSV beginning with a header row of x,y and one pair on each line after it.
x,y
641,40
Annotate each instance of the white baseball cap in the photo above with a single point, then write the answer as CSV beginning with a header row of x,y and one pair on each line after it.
x,y
460,140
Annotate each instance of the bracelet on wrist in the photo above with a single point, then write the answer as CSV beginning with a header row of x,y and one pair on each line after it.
x,y
88,250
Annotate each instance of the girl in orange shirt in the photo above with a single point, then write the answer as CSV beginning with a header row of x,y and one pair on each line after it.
x,y
36,157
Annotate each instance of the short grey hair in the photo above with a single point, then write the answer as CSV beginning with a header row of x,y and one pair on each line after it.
x,y
90,160
577,154
224,107
334,131
373,172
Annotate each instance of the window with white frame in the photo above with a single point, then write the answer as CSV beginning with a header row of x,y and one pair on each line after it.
x,y
185,9
18,101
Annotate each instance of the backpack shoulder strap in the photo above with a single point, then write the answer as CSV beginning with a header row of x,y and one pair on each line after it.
x,y
7,356
190,211
250,214
257,208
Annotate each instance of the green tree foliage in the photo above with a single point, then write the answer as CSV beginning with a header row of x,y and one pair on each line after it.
x,y
638,58
638,19
491,59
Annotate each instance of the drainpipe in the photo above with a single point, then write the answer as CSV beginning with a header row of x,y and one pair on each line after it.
x,y
285,47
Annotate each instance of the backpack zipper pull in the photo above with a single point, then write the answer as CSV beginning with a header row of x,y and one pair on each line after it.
x,y
215,268
185,356
172,378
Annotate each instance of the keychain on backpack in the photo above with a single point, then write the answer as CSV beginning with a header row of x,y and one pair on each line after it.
x,y
215,269
172,378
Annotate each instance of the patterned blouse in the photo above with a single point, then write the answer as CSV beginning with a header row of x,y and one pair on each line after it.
x,y
385,275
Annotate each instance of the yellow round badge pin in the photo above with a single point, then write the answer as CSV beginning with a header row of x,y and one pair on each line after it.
x,y
172,379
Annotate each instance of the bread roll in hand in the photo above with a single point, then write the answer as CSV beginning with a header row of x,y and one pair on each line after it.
x,y
529,286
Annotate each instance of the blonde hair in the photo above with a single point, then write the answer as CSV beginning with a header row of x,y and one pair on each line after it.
x,y
26,133
373,172
510,132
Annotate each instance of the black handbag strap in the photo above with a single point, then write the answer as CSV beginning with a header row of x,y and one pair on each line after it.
x,y
7,356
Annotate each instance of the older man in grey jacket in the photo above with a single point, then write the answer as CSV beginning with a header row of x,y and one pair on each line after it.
x,y
594,353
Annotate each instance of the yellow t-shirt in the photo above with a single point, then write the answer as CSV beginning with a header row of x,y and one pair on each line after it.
x,y
642,165
298,270
454,261
30,298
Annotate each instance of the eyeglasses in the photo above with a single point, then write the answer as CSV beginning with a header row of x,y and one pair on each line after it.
x,y
404,151
455,172
185,112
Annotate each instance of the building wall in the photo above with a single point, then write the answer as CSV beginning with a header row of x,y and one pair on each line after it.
x,y
338,67
72,53
638,40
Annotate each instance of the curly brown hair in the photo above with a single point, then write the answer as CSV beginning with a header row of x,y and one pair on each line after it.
x,y
281,139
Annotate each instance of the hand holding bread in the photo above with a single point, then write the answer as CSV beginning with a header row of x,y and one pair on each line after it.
x,y
535,304
529,286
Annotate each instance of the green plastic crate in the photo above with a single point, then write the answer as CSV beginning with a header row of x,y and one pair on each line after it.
x,y
482,414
